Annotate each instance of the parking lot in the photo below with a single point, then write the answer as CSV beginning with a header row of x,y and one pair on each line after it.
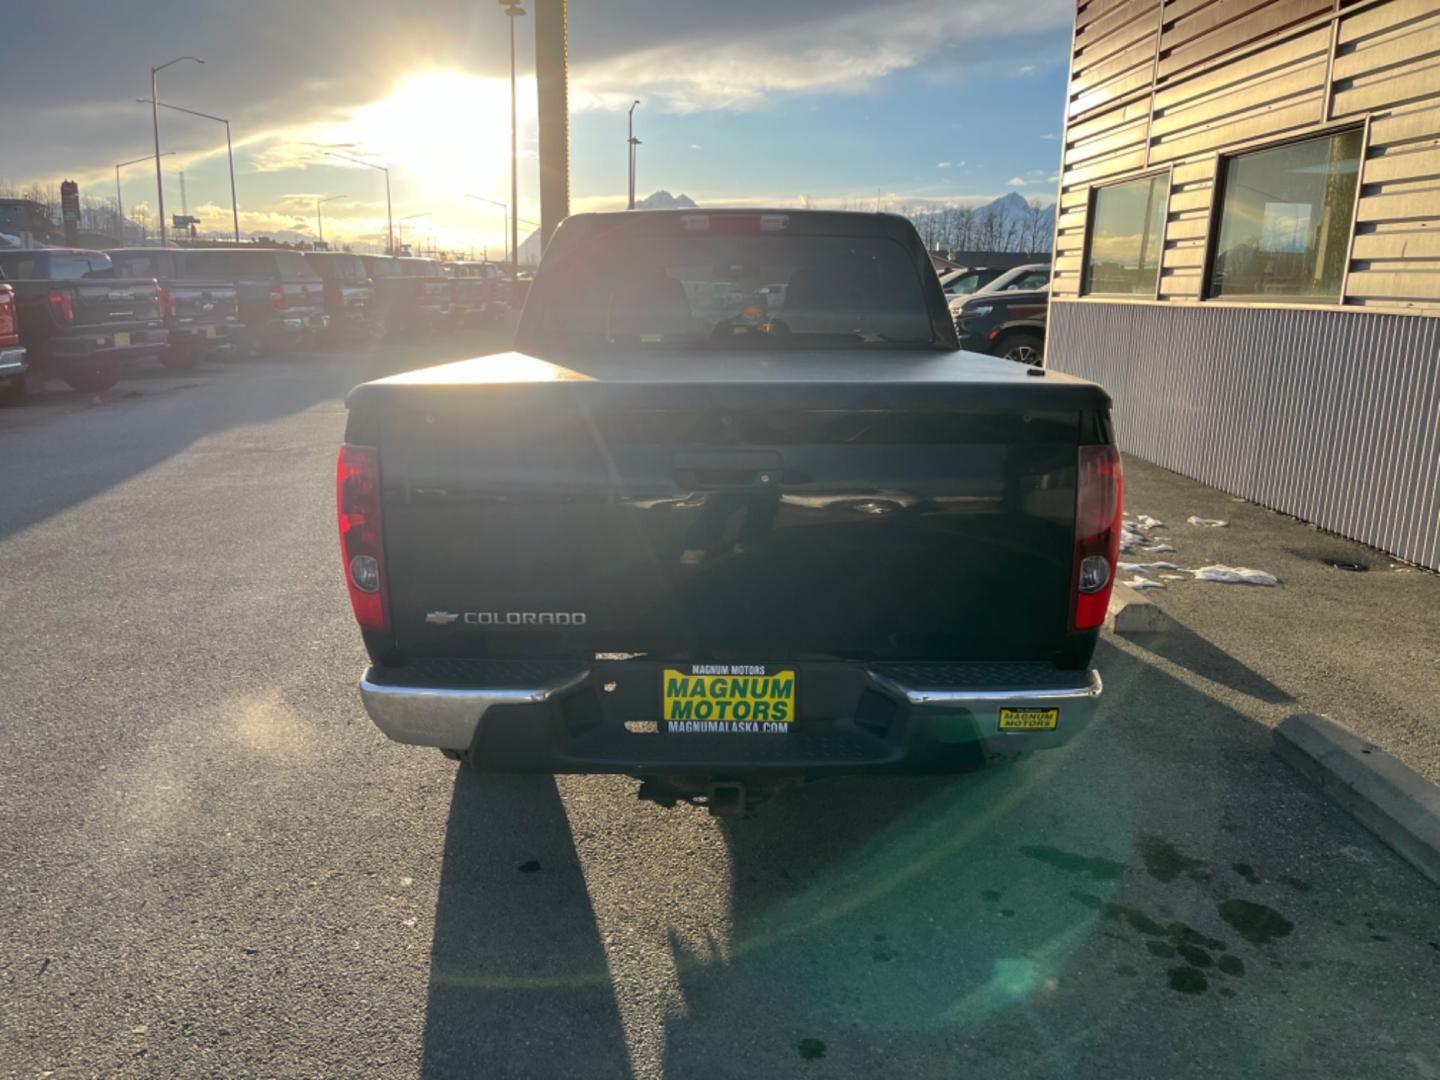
x,y
213,864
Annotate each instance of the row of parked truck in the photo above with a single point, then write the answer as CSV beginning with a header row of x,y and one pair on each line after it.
x,y
81,316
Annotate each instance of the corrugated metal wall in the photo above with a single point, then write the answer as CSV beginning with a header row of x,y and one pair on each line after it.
x,y
1178,83
1330,415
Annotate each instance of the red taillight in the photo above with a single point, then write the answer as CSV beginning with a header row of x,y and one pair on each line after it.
x,y
362,541
332,296
7,312
61,307
419,290
166,299
277,297
1099,498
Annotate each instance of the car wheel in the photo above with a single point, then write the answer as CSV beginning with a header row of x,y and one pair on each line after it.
x,y
92,376
1023,349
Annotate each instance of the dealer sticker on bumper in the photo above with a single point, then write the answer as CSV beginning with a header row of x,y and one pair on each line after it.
x,y
752,698
1029,719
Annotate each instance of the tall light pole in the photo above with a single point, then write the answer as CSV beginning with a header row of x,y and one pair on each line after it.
x,y
229,152
504,210
514,11
389,216
119,203
155,121
319,222
633,142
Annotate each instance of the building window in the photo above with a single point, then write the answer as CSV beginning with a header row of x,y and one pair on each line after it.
x,y
1285,220
1127,229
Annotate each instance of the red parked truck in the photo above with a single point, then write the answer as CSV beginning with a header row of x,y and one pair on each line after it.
x,y
13,364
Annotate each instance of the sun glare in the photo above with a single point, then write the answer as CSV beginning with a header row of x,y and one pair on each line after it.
x,y
449,131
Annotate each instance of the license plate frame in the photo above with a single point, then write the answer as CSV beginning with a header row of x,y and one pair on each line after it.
x,y
1021,719
754,699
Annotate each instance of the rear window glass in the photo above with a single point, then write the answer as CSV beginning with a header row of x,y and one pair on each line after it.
x,y
229,264
57,264
422,268
139,265
730,290
18,267
293,267
383,267
338,267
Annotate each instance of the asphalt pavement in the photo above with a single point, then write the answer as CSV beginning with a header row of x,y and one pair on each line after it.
x,y
213,865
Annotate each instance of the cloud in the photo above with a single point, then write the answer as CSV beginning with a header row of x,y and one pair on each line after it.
x,y
837,54
1050,135
942,165
696,146
1026,69
1016,181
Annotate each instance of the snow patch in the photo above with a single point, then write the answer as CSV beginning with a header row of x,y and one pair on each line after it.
x,y
1234,575
1209,523
1143,583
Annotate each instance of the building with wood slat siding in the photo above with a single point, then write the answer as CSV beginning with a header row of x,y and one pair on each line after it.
x,y
1244,305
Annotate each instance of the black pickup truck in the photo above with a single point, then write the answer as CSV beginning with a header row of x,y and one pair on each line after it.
x,y
79,320
200,315
412,295
282,298
683,535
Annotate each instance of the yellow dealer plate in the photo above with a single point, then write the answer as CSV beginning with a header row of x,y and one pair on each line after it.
x,y
122,338
1029,719
754,698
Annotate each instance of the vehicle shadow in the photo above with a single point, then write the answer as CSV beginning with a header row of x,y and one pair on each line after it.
x,y
978,925
1179,644
519,983
65,447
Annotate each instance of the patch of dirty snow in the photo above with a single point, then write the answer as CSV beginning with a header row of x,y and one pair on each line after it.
x,y
1147,566
1161,548
1174,577
1143,583
1209,523
1234,575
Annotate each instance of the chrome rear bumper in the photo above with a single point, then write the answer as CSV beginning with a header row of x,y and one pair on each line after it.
x,y
999,709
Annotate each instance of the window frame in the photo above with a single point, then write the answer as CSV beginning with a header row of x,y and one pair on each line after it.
x,y
1217,206
1092,196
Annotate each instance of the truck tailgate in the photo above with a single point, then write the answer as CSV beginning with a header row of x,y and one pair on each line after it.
x,y
743,507
116,301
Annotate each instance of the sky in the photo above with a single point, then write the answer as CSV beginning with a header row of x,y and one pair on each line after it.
x,y
742,102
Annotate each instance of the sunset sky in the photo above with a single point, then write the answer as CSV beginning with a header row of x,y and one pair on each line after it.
x,y
742,102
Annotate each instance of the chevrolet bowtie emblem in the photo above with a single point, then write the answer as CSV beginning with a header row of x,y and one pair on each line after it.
x,y
442,618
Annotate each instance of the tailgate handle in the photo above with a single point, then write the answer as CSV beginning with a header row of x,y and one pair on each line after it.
x,y
720,470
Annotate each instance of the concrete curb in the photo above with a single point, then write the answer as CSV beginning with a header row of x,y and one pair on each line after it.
x,y
1394,802
1132,613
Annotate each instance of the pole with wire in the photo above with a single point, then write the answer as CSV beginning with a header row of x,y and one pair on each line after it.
x,y
155,122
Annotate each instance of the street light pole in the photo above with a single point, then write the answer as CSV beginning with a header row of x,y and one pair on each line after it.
x,y
229,153
155,122
633,143
513,10
119,202
389,215
319,221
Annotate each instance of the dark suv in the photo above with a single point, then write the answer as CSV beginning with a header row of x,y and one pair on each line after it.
x,y
282,298
1007,317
